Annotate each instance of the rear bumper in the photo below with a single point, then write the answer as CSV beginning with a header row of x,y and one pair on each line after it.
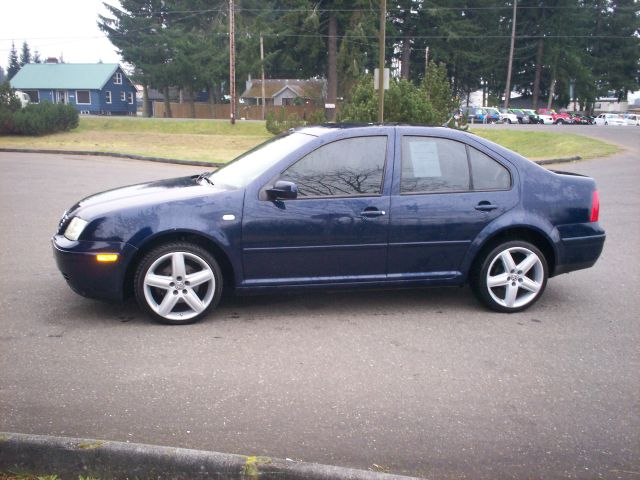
x,y
579,251
85,275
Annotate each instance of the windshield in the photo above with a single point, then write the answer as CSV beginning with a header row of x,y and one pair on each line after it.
x,y
248,166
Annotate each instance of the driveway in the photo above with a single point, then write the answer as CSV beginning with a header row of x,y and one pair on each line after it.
x,y
421,382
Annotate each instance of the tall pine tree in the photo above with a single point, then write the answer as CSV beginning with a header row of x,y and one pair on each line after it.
x,y
14,64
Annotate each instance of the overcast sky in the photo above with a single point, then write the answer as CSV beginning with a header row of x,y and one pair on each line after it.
x,y
55,27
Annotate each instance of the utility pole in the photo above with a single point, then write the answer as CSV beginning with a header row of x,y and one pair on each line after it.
x,y
383,24
232,61
426,61
507,90
262,64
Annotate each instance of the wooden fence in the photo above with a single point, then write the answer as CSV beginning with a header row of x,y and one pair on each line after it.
x,y
222,111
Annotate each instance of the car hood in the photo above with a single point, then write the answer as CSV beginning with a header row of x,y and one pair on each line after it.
x,y
143,194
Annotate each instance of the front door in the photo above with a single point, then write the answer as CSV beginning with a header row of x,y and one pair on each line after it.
x,y
335,231
62,96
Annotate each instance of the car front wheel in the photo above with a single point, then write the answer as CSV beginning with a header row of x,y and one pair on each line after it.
x,y
511,277
178,283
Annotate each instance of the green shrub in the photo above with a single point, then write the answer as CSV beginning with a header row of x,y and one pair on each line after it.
x,y
430,103
40,119
281,123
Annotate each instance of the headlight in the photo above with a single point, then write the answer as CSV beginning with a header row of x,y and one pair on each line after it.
x,y
75,228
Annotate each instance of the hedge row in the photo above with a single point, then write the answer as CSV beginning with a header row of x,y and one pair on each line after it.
x,y
38,119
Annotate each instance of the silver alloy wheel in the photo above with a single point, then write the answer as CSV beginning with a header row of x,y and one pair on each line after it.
x,y
515,277
179,286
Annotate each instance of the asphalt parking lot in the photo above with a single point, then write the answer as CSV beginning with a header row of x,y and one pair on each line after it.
x,y
418,382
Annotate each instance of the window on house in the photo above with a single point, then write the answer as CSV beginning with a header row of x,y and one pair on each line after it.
x,y
83,97
107,96
34,95
123,96
130,98
117,78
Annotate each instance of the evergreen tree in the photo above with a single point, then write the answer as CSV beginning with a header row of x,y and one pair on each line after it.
x,y
14,64
36,57
25,54
1,74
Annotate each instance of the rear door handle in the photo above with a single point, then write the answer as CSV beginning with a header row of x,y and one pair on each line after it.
x,y
486,206
371,213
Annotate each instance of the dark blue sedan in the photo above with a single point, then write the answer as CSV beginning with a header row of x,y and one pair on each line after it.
x,y
336,207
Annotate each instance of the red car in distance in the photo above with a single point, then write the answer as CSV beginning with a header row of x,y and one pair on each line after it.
x,y
558,118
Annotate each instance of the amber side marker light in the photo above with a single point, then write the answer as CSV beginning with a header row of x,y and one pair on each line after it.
x,y
107,257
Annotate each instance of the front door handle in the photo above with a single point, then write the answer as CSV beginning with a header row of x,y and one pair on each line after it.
x,y
372,212
485,206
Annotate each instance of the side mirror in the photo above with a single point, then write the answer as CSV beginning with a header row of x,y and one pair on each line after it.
x,y
283,189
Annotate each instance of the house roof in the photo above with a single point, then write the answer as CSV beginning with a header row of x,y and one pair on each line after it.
x,y
272,87
91,76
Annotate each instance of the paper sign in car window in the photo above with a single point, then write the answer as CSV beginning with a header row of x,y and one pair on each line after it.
x,y
424,159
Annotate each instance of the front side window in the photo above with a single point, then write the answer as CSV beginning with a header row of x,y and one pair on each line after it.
x,y
431,165
123,96
83,97
130,98
349,167
108,96
250,165
117,79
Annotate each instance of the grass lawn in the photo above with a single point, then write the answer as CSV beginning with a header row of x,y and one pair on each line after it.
x,y
202,140
546,145
219,141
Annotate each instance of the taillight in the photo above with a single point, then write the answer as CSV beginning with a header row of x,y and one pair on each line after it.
x,y
595,207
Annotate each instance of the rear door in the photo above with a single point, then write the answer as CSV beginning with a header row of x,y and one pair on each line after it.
x,y
444,193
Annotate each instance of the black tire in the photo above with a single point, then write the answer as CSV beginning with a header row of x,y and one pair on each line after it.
x,y
162,281
512,289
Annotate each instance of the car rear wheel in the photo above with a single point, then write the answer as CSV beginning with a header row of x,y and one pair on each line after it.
x,y
511,277
178,283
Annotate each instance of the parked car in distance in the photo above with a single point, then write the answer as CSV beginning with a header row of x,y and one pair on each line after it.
x,y
493,115
520,115
479,115
579,119
23,98
545,118
533,116
609,119
558,118
632,119
507,116
336,207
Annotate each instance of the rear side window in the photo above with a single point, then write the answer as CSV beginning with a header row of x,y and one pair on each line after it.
x,y
487,174
433,165
349,167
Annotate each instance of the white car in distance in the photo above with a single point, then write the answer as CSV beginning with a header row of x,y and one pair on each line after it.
x,y
609,119
632,119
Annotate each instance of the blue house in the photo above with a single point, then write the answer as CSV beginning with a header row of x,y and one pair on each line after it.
x,y
101,88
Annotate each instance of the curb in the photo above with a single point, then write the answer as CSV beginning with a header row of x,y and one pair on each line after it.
x,y
115,155
558,160
71,457
196,163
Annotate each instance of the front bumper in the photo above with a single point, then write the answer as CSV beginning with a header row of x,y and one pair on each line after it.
x,y
85,275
